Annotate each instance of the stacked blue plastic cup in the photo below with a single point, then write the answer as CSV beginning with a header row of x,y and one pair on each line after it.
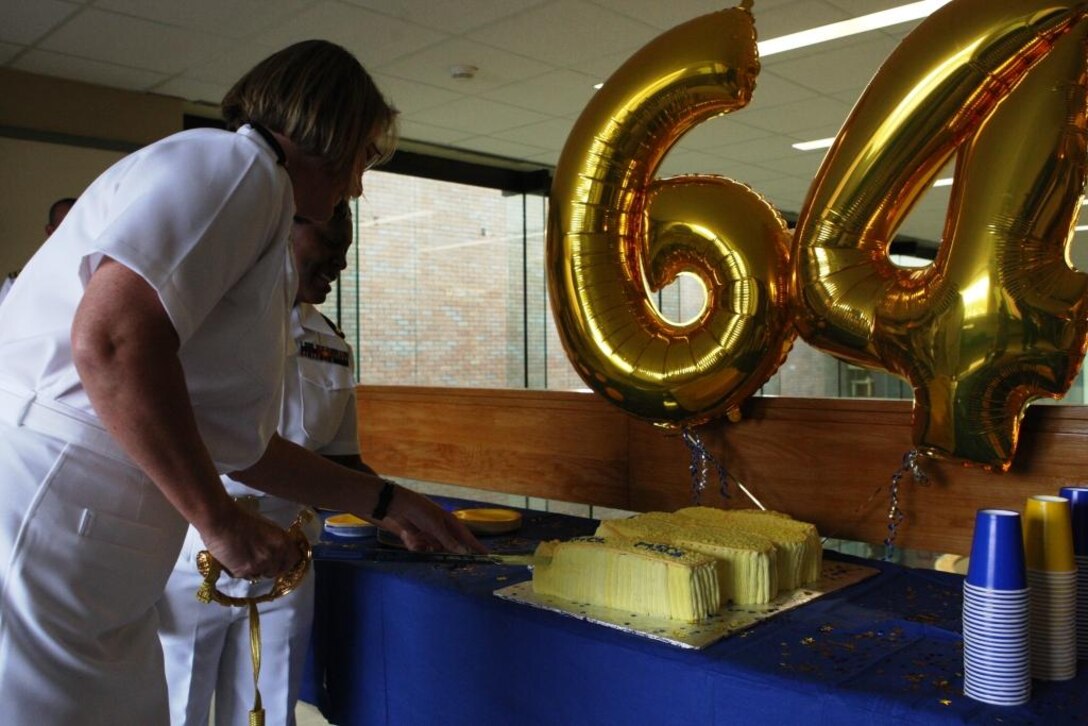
x,y
996,609
1078,503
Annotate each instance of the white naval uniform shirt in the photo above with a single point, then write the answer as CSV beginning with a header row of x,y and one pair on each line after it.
x,y
318,411
203,216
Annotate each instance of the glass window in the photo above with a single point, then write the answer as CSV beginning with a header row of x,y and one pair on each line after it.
x,y
446,286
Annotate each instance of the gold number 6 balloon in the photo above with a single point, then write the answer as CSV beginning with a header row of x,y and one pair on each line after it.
x,y
999,317
615,234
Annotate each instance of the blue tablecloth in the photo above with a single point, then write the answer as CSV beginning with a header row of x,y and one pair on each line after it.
x,y
429,644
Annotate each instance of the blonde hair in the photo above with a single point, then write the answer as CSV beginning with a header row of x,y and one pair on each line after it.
x,y
318,95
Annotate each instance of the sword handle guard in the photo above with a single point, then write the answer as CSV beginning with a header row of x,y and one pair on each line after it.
x,y
211,568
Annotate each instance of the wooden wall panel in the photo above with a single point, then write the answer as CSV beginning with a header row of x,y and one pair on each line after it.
x,y
562,446
826,461
831,461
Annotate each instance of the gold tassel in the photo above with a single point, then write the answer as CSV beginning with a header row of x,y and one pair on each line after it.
x,y
256,716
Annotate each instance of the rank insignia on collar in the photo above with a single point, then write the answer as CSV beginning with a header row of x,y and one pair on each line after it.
x,y
324,353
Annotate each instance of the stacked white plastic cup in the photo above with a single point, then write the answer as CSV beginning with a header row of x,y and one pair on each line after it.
x,y
1052,577
1078,506
996,601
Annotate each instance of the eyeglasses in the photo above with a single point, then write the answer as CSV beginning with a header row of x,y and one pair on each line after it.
x,y
374,156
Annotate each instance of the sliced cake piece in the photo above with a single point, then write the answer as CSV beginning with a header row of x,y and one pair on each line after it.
x,y
649,578
745,562
800,552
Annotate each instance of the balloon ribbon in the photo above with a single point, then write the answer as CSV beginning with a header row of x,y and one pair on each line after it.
x,y
701,460
895,514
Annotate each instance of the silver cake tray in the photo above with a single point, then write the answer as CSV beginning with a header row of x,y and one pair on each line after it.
x,y
727,621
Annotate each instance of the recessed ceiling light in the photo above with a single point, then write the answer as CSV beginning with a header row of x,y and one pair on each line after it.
x,y
946,182
1081,228
844,28
598,86
815,144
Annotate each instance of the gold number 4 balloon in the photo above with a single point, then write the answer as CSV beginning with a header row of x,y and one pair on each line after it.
x,y
997,320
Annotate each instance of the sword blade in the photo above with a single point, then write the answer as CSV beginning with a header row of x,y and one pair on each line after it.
x,y
369,553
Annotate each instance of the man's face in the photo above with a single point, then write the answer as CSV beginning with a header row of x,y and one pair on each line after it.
x,y
320,255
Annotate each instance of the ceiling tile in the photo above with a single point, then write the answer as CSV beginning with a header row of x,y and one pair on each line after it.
x,y
838,68
799,165
500,147
432,66
194,90
855,8
478,116
757,150
81,69
560,92
773,89
661,15
547,158
132,42
411,97
604,66
25,21
449,16
375,39
9,51
227,67
794,118
551,134
234,19
786,18
580,31
421,131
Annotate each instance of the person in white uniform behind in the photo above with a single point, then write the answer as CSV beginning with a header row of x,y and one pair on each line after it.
x,y
207,647
142,355
58,210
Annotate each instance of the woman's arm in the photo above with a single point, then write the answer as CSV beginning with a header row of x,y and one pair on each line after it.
x,y
126,352
290,471
351,461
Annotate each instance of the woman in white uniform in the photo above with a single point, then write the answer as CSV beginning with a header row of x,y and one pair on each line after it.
x,y
142,356
207,647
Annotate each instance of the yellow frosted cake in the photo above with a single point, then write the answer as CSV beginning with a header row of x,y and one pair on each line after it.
x,y
745,562
798,546
649,578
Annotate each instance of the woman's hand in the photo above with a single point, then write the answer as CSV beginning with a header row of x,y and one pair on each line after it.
x,y
250,546
423,525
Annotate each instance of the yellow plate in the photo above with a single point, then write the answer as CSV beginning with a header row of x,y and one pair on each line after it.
x,y
489,521
348,525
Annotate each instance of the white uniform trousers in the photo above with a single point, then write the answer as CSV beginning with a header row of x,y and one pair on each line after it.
x,y
86,545
206,646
